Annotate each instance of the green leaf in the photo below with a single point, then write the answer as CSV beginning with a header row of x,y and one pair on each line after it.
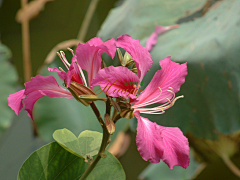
x,y
209,44
155,171
51,114
8,83
87,143
138,18
54,162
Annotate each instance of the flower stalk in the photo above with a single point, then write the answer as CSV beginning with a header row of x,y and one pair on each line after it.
x,y
105,140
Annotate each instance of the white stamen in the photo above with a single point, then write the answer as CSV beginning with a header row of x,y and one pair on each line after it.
x,y
64,58
159,109
150,101
71,51
82,74
59,55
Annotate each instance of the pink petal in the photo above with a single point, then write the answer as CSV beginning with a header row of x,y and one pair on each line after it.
x,y
140,55
63,75
152,40
156,142
115,81
96,41
15,101
73,73
89,55
176,147
75,70
40,86
171,75
149,141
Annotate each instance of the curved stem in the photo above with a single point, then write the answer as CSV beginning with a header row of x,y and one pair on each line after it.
x,y
97,113
27,55
231,165
105,141
87,20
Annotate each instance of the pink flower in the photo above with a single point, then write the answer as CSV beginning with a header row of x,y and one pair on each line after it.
x,y
88,58
154,142
111,79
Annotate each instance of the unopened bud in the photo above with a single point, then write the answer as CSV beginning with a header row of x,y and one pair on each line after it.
x,y
90,97
134,70
127,113
115,105
109,124
78,89
120,56
124,105
127,58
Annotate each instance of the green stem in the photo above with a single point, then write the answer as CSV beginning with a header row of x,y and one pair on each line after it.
x,y
105,141
97,113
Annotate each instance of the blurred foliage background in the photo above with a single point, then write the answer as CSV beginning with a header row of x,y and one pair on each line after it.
x,y
208,39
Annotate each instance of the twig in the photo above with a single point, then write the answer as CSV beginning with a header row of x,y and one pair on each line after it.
x,y
26,46
26,55
61,46
87,20
105,142
231,165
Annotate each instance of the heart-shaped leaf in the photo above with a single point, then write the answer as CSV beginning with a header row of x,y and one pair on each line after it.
x,y
54,162
87,143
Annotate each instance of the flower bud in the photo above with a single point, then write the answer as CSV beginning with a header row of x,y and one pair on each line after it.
x,y
109,124
87,97
120,56
78,89
127,113
127,58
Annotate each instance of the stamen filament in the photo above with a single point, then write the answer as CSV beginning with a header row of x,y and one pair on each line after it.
x,y
64,58
82,74
59,55
159,109
150,101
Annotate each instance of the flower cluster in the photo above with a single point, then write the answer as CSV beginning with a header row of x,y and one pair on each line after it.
x,y
154,142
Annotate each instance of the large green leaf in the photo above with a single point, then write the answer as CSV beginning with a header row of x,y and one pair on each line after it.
x,y
87,143
51,114
54,162
138,18
210,45
8,83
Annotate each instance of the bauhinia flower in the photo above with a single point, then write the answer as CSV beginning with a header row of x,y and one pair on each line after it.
x,y
88,57
154,142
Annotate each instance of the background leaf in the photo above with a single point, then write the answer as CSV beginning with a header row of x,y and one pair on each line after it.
x,y
87,143
210,44
138,18
54,162
8,83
